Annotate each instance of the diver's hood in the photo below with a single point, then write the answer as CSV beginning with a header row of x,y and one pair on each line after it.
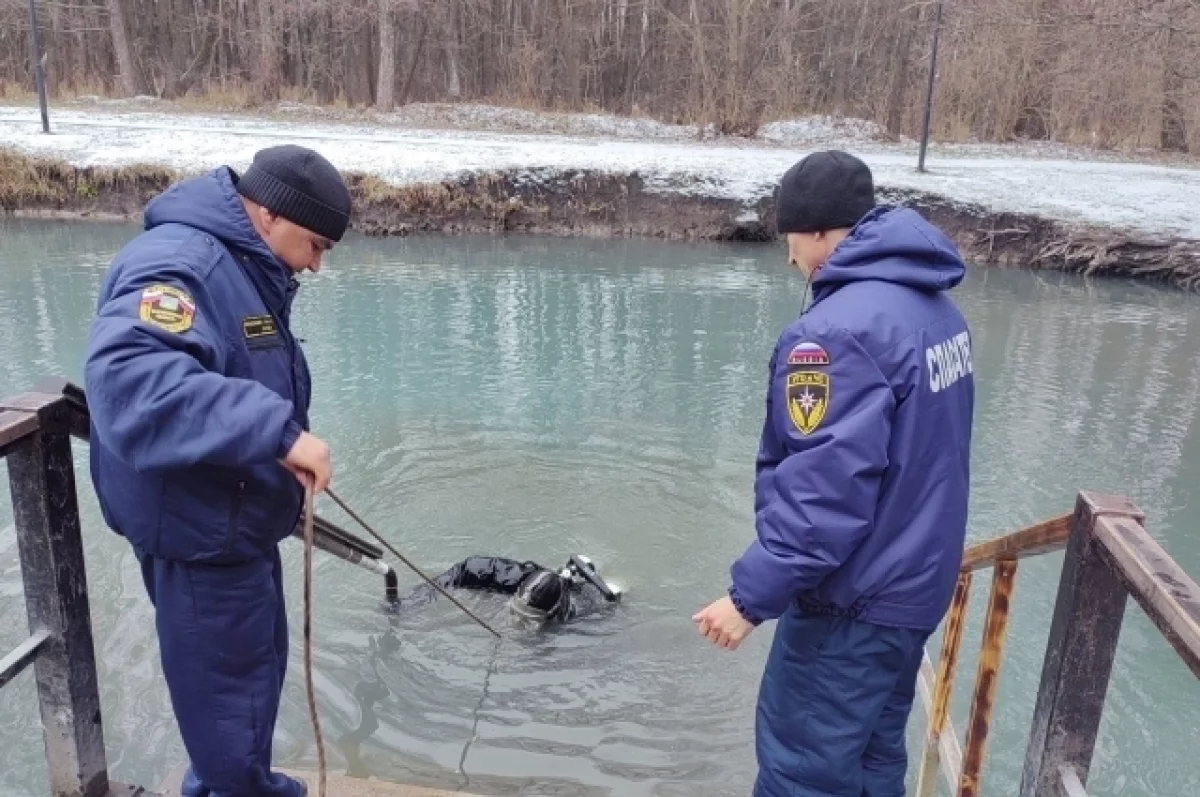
x,y
538,598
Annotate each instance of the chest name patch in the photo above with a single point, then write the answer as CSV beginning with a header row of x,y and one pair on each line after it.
x,y
258,326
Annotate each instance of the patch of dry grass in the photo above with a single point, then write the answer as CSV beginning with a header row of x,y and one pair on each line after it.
x,y
29,182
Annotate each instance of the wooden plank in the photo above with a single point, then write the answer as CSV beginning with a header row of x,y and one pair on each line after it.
x,y
31,401
949,759
1049,535
943,686
1165,592
338,786
15,663
979,722
16,425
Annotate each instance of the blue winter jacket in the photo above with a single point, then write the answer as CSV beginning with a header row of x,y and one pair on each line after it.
x,y
195,383
863,469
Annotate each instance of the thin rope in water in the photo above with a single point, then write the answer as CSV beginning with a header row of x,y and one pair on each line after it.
x,y
308,679
487,682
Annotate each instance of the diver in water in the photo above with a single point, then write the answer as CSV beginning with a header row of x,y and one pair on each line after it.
x,y
539,596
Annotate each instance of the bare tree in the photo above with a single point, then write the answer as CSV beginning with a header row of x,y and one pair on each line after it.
x,y
385,91
127,74
1116,73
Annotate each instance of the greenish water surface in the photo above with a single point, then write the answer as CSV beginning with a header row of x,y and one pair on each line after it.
x,y
535,398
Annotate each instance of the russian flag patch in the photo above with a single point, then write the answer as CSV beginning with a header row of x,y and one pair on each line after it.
x,y
808,353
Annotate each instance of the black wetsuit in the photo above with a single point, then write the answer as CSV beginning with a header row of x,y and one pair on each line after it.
x,y
503,576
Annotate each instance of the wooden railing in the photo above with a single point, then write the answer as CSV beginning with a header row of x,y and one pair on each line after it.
x,y
35,433
1109,556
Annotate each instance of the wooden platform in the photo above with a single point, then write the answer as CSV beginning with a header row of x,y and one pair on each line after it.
x,y
335,786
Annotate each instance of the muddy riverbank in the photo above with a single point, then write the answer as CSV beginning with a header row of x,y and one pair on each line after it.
x,y
604,204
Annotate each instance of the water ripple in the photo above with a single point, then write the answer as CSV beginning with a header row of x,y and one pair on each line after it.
x,y
535,399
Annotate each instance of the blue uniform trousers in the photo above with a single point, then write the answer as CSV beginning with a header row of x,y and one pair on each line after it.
x,y
223,637
833,706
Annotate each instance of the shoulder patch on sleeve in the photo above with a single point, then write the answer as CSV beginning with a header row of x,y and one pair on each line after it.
x,y
808,353
807,399
167,307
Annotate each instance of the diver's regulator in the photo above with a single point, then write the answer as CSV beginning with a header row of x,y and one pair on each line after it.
x,y
579,568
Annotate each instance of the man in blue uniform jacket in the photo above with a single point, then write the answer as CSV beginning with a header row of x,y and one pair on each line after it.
x,y
861,487
199,398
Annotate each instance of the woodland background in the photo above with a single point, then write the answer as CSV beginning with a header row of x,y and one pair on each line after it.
x,y
1106,73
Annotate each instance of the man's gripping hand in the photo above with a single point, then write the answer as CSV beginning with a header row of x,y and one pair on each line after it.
x,y
722,624
310,462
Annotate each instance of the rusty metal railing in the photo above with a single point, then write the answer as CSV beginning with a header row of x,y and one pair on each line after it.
x,y
1109,556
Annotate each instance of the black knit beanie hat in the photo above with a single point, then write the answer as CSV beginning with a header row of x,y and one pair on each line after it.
x,y
301,186
824,191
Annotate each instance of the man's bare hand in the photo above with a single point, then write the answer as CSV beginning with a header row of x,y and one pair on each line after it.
x,y
722,624
309,462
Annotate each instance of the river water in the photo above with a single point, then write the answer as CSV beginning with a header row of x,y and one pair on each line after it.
x,y
535,398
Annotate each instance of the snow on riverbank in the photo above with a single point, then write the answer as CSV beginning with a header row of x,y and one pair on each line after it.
x,y
1156,199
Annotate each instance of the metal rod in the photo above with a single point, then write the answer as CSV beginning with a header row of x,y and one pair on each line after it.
x,y
937,30
324,528
995,628
943,687
409,564
337,547
39,72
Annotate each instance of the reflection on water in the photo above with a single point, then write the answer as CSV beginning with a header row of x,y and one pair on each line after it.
x,y
536,398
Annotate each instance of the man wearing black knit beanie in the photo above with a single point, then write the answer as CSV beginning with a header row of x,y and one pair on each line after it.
x,y
861,489
200,451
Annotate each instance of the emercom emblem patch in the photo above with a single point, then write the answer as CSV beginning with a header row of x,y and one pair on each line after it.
x,y
807,399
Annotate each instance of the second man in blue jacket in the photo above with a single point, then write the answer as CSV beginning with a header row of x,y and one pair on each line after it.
x,y
861,487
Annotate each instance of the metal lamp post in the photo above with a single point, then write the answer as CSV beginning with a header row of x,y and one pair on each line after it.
x,y
937,29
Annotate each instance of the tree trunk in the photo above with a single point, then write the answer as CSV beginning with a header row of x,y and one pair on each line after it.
x,y
268,53
130,82
1033,119
1173,136
898,91
386,92
412,70
453,81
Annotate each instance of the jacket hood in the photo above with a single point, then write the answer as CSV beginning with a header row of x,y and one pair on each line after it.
x,y
210,203
895,245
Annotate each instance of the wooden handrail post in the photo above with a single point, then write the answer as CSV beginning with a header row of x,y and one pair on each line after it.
x,y
46,510
1079,653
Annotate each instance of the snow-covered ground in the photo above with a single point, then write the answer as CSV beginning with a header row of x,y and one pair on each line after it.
x,y
1157,199
478,117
